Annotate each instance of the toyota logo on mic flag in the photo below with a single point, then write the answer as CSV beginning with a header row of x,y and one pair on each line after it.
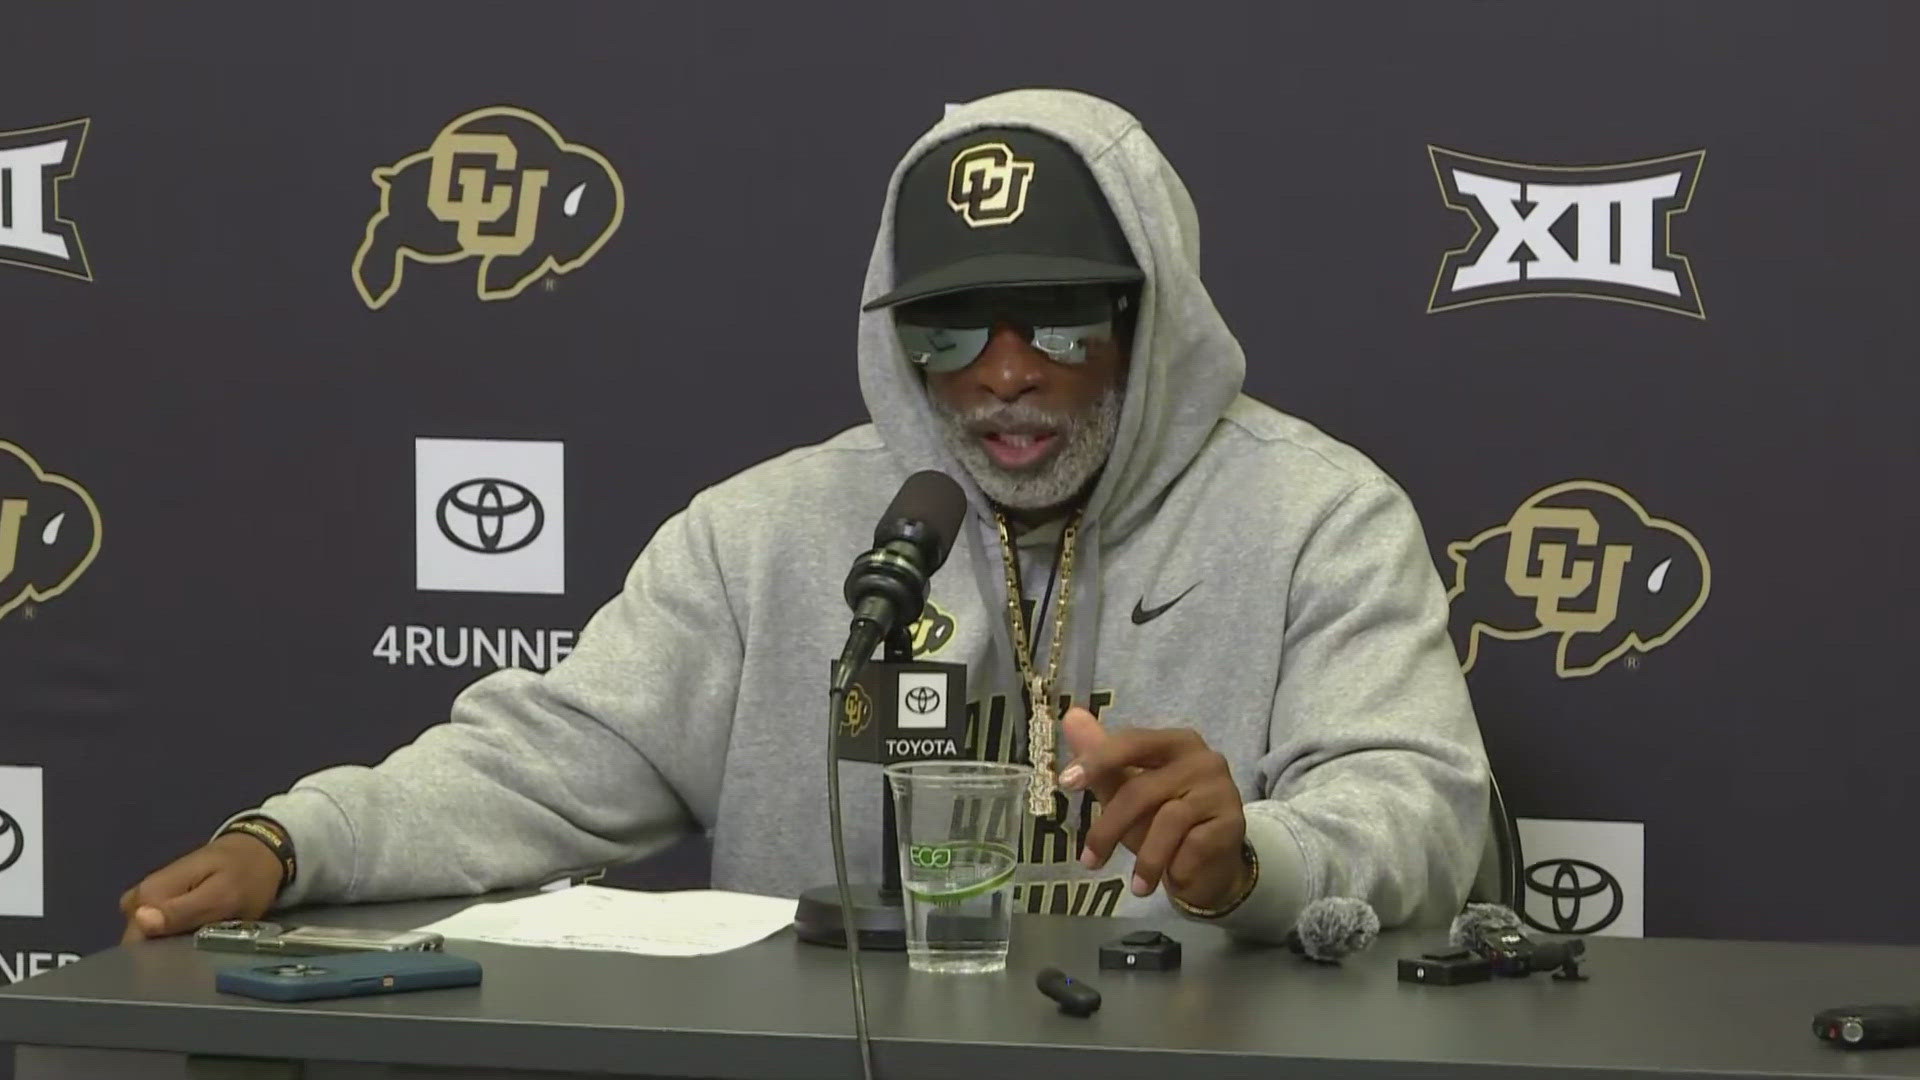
x,y
921,695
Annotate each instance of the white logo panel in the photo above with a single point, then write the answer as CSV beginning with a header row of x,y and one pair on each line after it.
x,y
22,842
1584,877
489,516
923,700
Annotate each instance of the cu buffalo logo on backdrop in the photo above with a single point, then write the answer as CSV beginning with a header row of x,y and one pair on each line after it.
x,y
499,185
1583,560
49,531
1602,232
987,184
34,164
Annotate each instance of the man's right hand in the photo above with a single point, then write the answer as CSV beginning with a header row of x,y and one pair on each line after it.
x,y
233,877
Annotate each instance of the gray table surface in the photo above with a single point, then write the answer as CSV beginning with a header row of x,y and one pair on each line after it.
x,y
780,1009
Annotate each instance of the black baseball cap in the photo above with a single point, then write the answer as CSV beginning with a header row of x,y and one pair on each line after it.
x,y
1000,207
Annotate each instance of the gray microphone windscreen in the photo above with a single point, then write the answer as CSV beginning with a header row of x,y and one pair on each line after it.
x,y
1336,926
1479,920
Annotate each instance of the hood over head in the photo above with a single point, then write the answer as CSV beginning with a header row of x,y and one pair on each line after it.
x,y
1184,370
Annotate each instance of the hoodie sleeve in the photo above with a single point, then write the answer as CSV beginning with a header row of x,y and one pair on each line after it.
x,y
1374,784
611,755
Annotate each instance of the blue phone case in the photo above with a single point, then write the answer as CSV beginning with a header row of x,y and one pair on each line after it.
x,y
310,978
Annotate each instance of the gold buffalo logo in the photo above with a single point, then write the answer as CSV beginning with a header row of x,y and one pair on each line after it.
x,y
498,184
987,185
856,712
49,530
931,631
1583,560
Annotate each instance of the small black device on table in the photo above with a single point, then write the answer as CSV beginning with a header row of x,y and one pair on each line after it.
x,y
1868,1027
1075,997
1142,950
1446,968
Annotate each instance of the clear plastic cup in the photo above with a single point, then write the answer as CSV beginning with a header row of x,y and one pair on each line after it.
x,y
960,824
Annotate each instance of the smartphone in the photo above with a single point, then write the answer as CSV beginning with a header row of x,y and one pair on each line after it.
x,y
348,975
242,935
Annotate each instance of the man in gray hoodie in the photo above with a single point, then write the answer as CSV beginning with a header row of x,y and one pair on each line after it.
x,y
1237,614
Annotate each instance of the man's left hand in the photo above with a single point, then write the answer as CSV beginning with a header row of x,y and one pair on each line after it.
x,y
1170,798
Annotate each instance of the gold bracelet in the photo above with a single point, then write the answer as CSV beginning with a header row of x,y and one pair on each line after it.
x,y
1253,879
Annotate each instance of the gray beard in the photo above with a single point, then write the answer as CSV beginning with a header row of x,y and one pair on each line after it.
x,y
1086,440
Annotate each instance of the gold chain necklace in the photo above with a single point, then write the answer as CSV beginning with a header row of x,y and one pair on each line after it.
x,y
1040,736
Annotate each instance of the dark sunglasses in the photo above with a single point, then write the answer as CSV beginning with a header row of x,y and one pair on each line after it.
x,y
946,333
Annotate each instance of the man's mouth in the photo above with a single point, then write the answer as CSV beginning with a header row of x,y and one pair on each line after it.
x,y
1017,450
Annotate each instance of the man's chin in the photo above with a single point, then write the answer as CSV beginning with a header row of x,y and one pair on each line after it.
x,y
1031,489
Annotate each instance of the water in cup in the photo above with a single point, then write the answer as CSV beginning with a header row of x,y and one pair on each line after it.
x,y
960,824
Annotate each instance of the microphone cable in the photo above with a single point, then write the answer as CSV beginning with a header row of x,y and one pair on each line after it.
x,y
836,702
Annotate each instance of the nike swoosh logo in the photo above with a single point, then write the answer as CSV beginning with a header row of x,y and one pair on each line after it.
x,y
1145,615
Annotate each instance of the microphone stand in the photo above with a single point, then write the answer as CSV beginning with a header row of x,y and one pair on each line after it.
x,y
879,913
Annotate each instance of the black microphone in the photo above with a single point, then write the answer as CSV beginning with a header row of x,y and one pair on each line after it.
x,y
1494,932
1334,927
887,587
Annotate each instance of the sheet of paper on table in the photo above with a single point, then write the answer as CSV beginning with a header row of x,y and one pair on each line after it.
x,y
696,922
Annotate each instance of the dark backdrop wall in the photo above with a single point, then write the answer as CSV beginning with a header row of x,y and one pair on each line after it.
x,y
228,558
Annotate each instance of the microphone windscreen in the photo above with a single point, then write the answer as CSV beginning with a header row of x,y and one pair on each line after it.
x,y
1479,920
1335,927
933,499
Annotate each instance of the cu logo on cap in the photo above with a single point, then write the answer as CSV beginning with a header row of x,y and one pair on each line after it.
x,y
987,185
13,840
490,516
1573,882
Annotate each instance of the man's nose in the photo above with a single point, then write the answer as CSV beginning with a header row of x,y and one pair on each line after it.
x,y
1010,366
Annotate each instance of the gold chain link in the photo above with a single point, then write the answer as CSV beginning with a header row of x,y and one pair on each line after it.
x,y
1040,740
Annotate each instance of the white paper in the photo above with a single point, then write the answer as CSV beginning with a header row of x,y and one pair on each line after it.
x,y
697,922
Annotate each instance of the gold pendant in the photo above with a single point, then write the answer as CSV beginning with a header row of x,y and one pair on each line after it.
x,y
1040,748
